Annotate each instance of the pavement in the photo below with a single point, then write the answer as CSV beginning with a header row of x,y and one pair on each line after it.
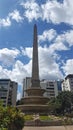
x,y
49,128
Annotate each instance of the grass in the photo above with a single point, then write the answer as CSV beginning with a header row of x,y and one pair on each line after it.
x,y
45,118
28,117
41,117
64,120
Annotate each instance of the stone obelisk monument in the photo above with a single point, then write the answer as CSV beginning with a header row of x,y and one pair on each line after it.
x,y
34,102
35,68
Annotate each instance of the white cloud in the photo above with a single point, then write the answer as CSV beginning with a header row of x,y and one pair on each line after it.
x,y
49,69
51,11
47,63
47,66
17,73
58,45
27,51
19,70
7,57
15,15
58,42
47,35
69,37
5,22
63,41
58,12
32,10
3,73
68,67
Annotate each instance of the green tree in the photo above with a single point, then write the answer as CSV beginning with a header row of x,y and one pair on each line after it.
x,y
65,99
62,103
54,106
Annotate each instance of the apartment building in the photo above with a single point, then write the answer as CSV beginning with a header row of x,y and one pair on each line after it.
x,y
8,92
50,86
67,83
59,85
26,84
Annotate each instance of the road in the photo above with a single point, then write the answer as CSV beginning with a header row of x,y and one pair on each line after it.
x,y
49,128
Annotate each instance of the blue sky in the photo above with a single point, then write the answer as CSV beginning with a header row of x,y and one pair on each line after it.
x,y
54,20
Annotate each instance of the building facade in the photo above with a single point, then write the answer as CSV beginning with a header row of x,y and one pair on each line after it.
x,y
26,84
67,83
51,87
59,84
8,92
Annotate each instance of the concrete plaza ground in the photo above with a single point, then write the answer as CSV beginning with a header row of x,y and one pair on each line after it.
x,y
50,128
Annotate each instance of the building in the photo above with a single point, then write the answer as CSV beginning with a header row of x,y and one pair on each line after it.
x,y
51,87
8,92
67,83
59,84
26,84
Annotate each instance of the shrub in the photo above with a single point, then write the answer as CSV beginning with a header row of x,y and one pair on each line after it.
x,y
11,118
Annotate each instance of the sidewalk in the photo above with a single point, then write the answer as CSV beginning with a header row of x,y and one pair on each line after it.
x,y
50,128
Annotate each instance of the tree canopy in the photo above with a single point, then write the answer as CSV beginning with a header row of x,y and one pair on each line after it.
x,y
62,103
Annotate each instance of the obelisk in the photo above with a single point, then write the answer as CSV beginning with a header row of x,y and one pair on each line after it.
x,y
35,82
34,101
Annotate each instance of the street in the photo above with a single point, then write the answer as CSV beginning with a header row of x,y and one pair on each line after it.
x,y
49,128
